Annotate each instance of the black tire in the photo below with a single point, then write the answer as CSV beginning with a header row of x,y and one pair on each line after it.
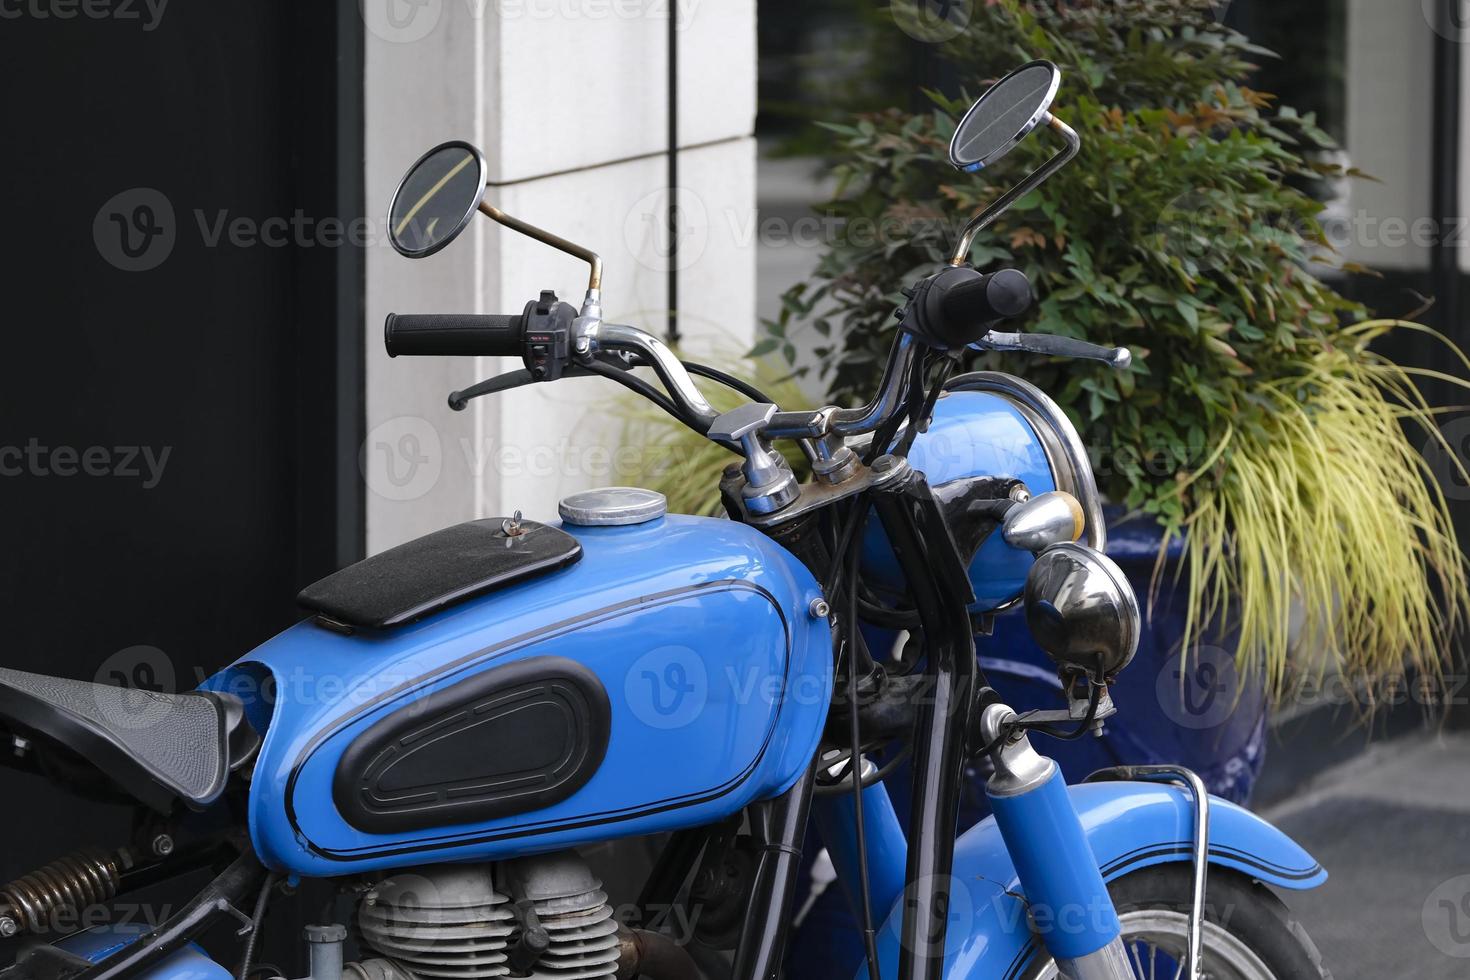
x,y
1244,908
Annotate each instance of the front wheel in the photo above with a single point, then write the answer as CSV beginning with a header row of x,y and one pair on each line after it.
x,y
1248,933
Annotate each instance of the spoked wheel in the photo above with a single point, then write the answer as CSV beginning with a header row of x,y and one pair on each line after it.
x,y
1248,933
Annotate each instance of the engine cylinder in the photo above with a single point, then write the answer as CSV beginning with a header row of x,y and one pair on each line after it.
x,y
461,922
447,921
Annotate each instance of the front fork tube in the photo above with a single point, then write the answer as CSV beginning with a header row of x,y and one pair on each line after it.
x,y
887,848
1066,897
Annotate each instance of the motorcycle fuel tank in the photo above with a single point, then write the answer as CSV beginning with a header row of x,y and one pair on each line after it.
x,y
668,678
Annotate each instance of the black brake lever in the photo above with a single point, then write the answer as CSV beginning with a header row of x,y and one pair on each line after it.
x,y
502,382
1045,343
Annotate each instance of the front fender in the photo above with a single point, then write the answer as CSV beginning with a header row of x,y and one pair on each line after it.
x,y
1129,826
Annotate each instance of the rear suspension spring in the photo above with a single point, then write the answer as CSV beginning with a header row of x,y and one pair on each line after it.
x,y
64,887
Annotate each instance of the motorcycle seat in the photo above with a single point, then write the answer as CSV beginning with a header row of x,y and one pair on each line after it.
x,y
159,748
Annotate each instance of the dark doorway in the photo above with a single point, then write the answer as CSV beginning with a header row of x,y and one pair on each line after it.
x,y
182,395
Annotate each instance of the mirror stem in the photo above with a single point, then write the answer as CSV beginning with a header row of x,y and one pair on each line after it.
x,y
594,279
985,218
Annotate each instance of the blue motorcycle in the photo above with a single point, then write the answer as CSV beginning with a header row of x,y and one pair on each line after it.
x,y
458,715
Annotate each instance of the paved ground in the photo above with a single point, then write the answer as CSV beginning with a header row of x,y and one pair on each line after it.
x,y
1393,829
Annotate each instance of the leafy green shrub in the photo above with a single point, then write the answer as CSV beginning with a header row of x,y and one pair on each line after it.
x,y
1183,230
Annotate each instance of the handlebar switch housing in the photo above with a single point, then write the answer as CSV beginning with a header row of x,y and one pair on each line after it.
x,y
548,336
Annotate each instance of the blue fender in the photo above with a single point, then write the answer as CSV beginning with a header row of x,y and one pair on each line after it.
x,y
1129,826
187,963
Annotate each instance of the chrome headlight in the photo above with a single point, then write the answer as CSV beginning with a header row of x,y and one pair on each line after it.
x,y
1059,440
1082,611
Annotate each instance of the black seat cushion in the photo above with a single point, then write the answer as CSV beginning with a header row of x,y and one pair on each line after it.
x,y
438,570
159,747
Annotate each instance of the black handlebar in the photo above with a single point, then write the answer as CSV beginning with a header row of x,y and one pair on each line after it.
x,y
463,334
955,307
987,299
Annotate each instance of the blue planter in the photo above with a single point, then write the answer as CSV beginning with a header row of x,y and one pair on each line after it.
x,y
1189,711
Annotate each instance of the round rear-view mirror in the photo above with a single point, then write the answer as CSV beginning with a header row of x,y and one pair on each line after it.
x,y
1002,117
436,199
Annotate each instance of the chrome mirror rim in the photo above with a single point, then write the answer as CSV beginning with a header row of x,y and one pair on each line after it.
x,y
464,220
1031,123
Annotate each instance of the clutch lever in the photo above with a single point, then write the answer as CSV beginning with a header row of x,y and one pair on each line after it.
x,y
1050,344
501,382
517,379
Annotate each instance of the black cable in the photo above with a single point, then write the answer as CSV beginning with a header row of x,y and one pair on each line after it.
x,y
857,514
1094,700
913,397
843,785
257,918
1018,724
729,381
636,384
921,417
870,939
892,617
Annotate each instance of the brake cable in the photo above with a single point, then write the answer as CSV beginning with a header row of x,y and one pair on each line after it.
x,y
849,560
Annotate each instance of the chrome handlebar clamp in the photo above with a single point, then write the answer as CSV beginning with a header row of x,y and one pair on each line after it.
x,y
769,483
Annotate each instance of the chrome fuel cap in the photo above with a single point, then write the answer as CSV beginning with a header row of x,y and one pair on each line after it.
x,y
608,506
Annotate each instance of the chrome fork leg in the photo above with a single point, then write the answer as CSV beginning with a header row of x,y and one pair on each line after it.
x,y
1201,799
1108,963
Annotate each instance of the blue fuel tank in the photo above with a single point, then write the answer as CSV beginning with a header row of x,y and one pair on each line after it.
x,y
668,678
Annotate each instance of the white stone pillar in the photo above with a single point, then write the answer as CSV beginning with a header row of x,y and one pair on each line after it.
x,y
569,101
1389,78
